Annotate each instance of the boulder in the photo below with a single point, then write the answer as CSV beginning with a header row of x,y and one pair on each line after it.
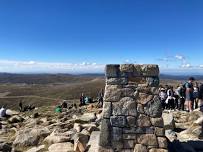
x,y
171,135
31,136
147,139
80,142
194,115
78,127
56,137
86,117
192,133
140,148
36,149
61,147
169,122
11,112
4,147
15,119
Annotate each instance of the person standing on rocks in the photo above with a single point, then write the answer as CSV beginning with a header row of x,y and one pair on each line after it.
x,y
82,99
163,96
201,102
20,106
189,93
181,93
195,95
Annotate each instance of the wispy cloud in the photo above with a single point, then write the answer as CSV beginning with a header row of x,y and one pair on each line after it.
x,y
180,60
180,57
186,66
129,61
49,67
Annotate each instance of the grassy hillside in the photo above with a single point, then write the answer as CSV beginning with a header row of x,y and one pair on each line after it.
x,y
46,89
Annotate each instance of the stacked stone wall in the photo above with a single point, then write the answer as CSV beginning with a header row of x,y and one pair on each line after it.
x,y
132,114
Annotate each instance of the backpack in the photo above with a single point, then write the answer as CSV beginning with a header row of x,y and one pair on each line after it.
x,y
183,90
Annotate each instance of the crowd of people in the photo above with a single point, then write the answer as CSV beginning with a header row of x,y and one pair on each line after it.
x,y
187,96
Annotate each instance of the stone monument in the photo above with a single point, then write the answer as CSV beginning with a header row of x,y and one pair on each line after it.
x,y
132,114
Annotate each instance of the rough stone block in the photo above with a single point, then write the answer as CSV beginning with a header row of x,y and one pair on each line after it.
x,y
138,130
159,131
154,108
134,87
152,81
117,81
144,98
143,121
136,80
107,109
137,70
127,68
126,106
105,136
162,142
144,130
150,70
131,121
128,144
147,139
131,130
118,121
117,134
157,122
140,108
112,93
148,90
112,70
129,136
140,148
127,92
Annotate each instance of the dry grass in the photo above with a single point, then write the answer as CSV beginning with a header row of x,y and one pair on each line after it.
x,y
49,94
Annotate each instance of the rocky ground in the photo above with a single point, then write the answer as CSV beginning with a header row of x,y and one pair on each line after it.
x,y
44,130
77,129
184,130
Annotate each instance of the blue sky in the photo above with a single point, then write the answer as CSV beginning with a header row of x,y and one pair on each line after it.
x,y
82,36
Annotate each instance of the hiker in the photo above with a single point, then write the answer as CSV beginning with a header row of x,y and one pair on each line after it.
x,y
170,99
82,99
200,96
163,96
176,101
100,98
181,93
189,93
20,106
58,109
64,104
3,113
195,96
86,100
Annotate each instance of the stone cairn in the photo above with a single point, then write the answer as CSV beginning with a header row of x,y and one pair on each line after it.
x,y
132,114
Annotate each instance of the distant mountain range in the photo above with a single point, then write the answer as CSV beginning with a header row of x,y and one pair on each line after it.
x,y
69,78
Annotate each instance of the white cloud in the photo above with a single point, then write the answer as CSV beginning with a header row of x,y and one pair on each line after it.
x,y
186,65
49,67
201,66
129,61
180,57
